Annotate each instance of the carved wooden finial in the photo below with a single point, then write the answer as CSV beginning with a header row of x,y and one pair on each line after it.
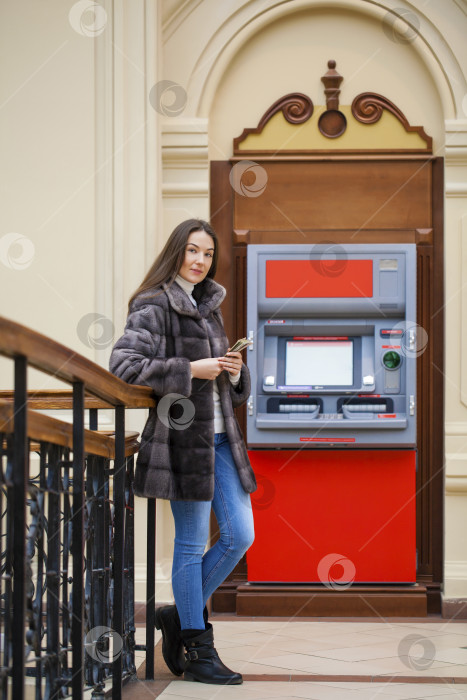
x,y
332,79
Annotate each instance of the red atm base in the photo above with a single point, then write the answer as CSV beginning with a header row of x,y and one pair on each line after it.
x,y
333,517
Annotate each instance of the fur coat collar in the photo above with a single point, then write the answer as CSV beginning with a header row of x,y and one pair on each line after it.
x,y
208,294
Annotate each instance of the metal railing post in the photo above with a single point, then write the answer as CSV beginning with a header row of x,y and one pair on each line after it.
x,y
150,587
118,544
20,480
77,626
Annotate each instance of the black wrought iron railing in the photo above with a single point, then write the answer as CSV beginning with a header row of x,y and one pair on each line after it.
x,y
67,624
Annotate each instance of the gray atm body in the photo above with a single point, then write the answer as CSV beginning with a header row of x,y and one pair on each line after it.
x,y
336,371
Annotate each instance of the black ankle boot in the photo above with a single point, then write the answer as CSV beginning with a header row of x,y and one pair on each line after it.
x,y
202,660
168,621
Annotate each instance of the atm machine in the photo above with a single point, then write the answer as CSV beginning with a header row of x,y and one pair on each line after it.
x,y
331,419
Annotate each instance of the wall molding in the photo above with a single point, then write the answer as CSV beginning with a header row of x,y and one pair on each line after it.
x,y
456,570
179,190
241,25
183,158
185,161
163,581
104,144
463,319
456,189
461,5
455,485
455,429
185,138
127,161
454,602
455,155
455,142
178,16
456,469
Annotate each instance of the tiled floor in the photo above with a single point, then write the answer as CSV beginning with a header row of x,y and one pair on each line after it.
x,y
332,660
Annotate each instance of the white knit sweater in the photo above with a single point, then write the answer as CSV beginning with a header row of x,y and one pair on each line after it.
x,y
219,425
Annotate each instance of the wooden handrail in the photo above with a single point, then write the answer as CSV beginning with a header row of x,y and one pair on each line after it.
x,y
45,429
56,359
51,399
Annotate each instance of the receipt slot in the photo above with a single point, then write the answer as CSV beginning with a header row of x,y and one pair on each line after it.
x,y
331,420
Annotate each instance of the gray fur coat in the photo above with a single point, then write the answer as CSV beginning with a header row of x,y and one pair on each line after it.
x,y
163,334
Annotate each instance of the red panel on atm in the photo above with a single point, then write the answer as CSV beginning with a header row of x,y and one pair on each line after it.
x,y
319,278
330,514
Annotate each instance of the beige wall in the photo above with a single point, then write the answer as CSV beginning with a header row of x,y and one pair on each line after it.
x,y
95,188
47,174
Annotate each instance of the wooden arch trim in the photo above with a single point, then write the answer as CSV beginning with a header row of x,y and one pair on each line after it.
x,y
368,107
296,107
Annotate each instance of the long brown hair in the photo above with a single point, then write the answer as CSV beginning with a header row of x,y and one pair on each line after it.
x,y
169,261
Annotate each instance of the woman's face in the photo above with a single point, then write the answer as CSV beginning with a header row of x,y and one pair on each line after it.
x,y
199,252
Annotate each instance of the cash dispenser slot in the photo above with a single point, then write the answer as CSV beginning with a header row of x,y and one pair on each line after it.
x,y
310,406
285,412
365,408
371,412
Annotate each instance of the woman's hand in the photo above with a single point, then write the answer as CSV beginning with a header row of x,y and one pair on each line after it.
x,y
206,369
211,367
232,362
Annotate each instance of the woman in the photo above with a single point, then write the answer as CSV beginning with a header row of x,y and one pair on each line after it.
x,y
192,451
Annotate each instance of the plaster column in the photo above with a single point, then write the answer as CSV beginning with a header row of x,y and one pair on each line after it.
x,y
456,366
129,230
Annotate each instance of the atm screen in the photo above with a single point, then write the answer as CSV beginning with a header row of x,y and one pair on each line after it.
x,y
319,363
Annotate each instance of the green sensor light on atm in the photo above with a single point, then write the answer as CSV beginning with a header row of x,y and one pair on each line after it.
x,y
391,359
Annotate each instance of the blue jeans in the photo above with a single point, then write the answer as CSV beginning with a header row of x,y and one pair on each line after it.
x,y
196,574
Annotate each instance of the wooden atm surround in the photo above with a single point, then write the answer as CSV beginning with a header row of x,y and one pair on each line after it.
x,y
378,195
